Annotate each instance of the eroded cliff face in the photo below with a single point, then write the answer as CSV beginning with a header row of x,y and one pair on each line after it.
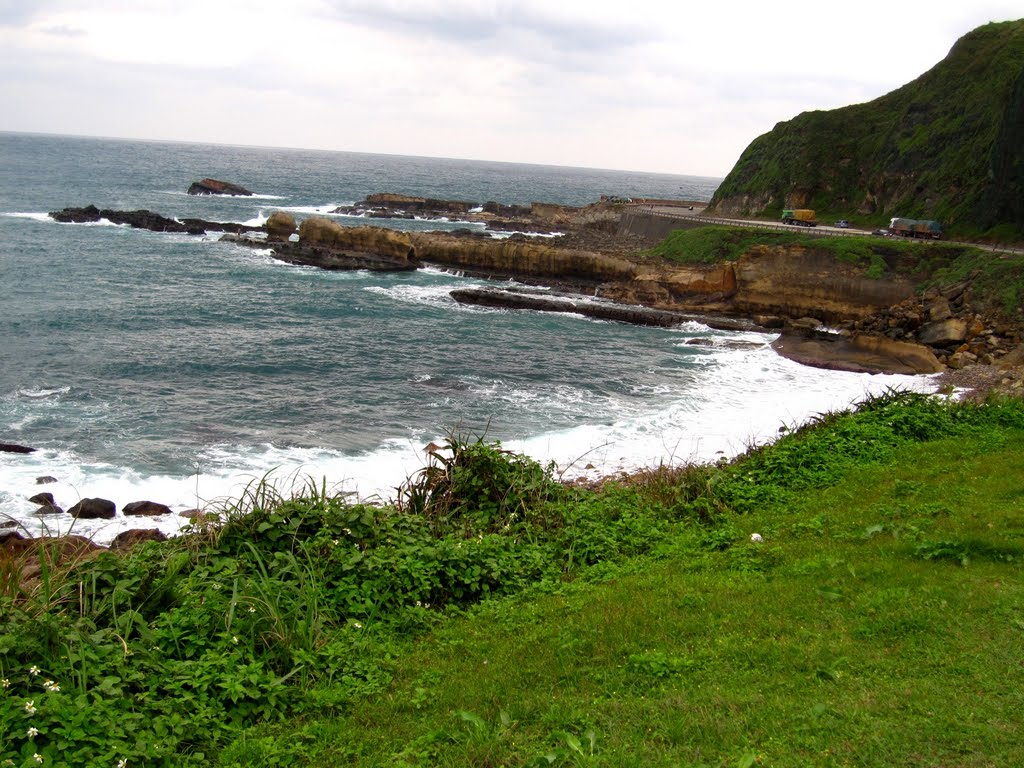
x,y
318,231
782,281
797,282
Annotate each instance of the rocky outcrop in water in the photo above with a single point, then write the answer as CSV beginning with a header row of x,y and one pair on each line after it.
x,y
144,219
15,448
280,227
217,187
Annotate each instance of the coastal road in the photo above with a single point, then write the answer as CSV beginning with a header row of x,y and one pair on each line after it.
x,y
824,230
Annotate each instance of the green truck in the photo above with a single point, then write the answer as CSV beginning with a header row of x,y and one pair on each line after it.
x,y
801,217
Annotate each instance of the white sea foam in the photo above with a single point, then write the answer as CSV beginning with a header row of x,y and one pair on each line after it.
x,y
30,215
318,210
34,393
720,412
259,221
429,295
508,233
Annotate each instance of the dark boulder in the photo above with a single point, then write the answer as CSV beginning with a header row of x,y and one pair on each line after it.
x,y
216,187
42,498
91,509
145,509
128,539
143,219
46,480
50,509
15,448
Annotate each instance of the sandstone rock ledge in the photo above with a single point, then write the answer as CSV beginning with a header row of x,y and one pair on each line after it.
x,y
858,353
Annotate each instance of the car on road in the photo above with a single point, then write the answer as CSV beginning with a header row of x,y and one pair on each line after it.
x,y
843,224
880,232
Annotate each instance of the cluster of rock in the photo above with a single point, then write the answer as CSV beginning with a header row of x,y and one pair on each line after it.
x,y
388,205
947,321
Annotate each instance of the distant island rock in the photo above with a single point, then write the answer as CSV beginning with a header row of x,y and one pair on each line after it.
x,y
217,187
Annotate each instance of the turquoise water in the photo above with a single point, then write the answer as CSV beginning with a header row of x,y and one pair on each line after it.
x,y
171,367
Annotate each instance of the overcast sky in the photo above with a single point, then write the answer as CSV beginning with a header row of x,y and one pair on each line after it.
x,y
676,87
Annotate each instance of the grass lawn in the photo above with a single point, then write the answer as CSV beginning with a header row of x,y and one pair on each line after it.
x,y
879,623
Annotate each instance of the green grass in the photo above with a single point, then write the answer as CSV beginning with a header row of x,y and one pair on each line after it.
x,y
835,642
497,618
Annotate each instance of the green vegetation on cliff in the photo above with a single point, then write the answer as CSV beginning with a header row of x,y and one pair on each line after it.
x,y
495,617
997,280
948,146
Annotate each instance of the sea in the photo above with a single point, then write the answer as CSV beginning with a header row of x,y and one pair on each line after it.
x,y
182,369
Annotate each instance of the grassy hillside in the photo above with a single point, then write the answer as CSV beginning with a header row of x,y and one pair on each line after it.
x,y
947,146
494,617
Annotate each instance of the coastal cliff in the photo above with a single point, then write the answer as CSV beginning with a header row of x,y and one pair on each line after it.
x,y
948,146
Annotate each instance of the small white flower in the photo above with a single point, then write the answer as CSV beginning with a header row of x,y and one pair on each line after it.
x,y
357,625
251,609
32,732
30,706
33,670
234,639
756,537
37,757
51,687
122,763
5,683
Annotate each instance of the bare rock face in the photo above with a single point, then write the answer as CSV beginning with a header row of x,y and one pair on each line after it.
x,y
860,353
217,187
795,282
943,332
89,509
318,231
280,226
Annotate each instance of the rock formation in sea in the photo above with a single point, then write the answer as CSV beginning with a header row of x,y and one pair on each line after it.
x,y
217,187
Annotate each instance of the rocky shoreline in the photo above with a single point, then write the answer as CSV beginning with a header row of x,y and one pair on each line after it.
x,y
834,316
828,315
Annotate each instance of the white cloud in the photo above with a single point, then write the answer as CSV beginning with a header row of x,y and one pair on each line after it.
x,y
648,85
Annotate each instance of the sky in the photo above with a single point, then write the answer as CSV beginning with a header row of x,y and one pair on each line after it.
x,y
673,87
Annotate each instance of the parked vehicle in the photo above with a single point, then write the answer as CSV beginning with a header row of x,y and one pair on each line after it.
x,y
801,217
843,224
921,228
